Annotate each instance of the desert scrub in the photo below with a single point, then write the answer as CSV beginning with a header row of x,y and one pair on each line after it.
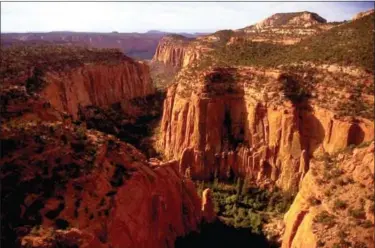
x,y
357,213
313,201
340,204
325,218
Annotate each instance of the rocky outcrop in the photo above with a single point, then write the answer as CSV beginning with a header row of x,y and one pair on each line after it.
x,y
363,14
222,123
286,28
208,212
302,19
97,84
329,205
176,51
76,179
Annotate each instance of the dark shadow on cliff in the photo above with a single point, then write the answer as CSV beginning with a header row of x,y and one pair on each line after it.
x,y
131,121
356,134
311,129
219,235
298,88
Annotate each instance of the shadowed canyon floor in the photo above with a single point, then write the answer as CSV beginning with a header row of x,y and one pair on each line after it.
x,y
218,234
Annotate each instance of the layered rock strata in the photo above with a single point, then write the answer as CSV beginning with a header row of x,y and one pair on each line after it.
x,y
97,84
334,209
221,123
177,51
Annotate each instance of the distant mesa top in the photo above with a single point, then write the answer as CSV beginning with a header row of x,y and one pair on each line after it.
x,y
305,19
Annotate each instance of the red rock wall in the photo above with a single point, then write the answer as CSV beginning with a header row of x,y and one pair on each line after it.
x,y
301,229
120,200
97,84
176,53
272,137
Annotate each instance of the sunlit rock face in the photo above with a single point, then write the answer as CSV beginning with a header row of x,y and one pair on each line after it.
x,y
362,14
323,207
302,19
96,84
221,122
176,51
97,191
208,212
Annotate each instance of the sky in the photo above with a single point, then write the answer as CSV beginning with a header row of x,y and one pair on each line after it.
x,y
165,16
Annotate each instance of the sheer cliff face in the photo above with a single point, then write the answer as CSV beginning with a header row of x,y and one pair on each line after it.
x,y
97,84
64,185
101,190
221,122
176,51
335,204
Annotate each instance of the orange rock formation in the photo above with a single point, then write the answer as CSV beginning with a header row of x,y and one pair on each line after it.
x,y
177,51
96,84
208,211
100,185
233,128
352,187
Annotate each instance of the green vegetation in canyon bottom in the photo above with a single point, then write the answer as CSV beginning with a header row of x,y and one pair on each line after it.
x,y
241,206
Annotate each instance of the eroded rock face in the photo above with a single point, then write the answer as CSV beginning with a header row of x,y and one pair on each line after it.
x,y
208,211
326,209
176,51
89,181
96,84
286,28
228,126
304,19
363,14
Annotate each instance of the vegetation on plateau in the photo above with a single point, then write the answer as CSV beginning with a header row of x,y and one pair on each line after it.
x,y
39,161
16,61
350,44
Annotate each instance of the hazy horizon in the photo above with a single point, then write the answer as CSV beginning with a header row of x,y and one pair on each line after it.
x,y
140,17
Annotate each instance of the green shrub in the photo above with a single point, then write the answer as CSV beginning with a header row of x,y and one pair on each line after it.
x,y
255,222
357,213
339,204
36,82
325,218
313,201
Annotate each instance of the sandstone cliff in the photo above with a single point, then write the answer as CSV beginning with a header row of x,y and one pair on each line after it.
x,y
176,51
102,191
96,84
220,121
335,205
73,77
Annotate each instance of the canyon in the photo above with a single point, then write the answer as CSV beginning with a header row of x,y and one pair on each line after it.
x,y
96,184
211,120
84,183
241,121
247,134
135,45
